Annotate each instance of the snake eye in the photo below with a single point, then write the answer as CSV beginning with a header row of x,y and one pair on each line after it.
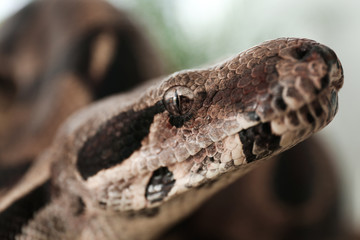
x,y
178,100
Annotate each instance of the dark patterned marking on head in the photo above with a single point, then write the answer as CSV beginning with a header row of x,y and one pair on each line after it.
x,y
116,140
13,218
261,136
160,184
304,111
280,104
325,81
318,108
294,120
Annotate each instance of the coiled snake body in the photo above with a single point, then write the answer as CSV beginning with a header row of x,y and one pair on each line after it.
x,y
132,165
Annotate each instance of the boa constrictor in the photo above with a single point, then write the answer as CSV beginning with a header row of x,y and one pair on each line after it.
x,y
131,165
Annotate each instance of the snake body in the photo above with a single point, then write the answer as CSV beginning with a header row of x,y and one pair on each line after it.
x,y
133,164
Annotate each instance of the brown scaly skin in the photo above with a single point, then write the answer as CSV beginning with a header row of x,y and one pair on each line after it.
x,y
130,166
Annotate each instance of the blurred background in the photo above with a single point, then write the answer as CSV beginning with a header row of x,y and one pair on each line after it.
x,y
189,33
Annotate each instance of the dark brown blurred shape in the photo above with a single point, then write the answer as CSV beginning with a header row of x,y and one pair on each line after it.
x,y
56,57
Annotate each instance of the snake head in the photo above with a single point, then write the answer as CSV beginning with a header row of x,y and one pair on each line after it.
x,y
253,106
190,134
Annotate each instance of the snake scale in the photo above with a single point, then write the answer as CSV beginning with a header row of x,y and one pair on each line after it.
x,y
133,164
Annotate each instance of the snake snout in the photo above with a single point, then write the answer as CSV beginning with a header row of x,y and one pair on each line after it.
x,y
336,71
335,76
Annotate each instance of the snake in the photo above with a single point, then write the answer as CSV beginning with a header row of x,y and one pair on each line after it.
x,y
99,164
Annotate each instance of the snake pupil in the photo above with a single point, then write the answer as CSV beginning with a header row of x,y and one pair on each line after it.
x,y
178,100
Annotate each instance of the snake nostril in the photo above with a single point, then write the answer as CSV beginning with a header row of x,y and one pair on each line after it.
x,y
301,52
